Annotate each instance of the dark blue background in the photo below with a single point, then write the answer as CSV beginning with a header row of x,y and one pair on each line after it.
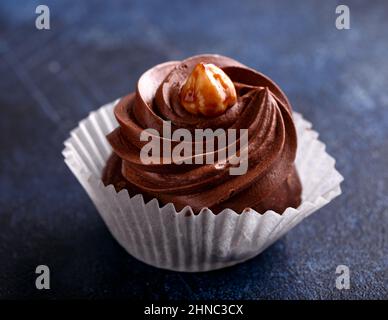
x,y
95,52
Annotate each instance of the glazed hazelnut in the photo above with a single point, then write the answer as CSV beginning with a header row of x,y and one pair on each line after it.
x,y
208,91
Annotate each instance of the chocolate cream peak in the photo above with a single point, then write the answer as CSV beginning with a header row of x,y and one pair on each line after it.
x,y
271,182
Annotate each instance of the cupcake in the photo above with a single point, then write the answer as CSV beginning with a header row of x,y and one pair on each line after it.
x,y
256,104
243,170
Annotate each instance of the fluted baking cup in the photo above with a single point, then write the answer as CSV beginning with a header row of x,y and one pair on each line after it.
x,y
182,241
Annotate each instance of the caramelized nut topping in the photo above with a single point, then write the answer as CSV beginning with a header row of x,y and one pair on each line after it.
x,y
208,91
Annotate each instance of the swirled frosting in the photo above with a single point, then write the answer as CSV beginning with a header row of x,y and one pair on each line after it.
x,y
271,181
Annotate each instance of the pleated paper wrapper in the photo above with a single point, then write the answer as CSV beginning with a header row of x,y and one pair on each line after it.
x,y
182,241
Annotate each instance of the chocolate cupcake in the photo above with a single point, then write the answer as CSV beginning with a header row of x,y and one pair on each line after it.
x,y
255,103
192,214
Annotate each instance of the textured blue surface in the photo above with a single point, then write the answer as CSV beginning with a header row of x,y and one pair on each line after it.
x,y
94,53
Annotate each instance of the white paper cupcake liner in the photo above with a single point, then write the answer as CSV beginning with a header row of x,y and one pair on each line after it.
x,y
181,241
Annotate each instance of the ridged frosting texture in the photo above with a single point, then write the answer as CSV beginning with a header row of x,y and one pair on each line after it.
x,y
271,181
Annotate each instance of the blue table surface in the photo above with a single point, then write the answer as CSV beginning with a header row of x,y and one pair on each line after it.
x,y
96,50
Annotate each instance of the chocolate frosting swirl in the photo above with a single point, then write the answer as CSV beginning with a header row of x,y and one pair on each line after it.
x,y
271,181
